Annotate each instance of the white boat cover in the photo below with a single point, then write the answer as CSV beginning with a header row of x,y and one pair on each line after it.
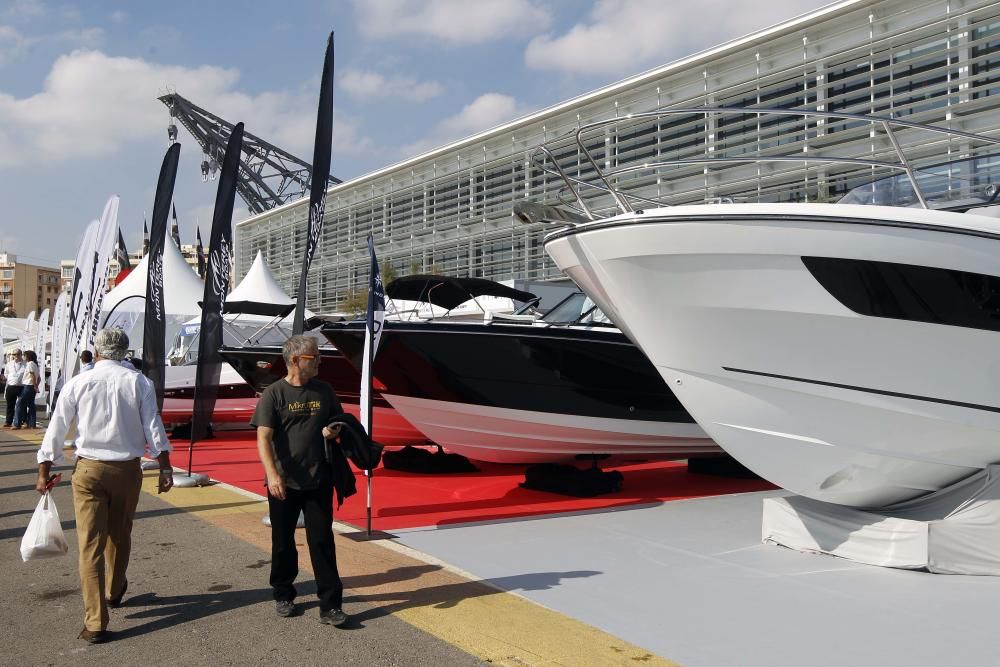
x,y
952,531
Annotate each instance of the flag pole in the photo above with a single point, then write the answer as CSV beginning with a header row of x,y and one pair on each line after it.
x,y
370,352
368,472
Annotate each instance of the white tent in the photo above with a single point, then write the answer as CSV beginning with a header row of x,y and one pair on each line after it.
x,y
182,290
259,286
251,312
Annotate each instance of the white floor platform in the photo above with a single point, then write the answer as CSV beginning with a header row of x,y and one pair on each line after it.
x,y
691,581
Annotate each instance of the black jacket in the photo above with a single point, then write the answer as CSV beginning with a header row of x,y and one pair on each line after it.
x,y
354,445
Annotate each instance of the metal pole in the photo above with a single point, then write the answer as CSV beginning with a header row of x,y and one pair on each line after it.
x,y
371,374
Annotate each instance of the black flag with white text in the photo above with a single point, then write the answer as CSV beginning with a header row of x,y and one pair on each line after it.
x,y
155,320
319,183
218,270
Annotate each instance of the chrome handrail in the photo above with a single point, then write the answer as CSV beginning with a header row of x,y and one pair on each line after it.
x,y
622,198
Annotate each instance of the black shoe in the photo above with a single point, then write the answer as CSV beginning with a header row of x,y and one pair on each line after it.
x,y
335,617
116,602
94,636
285,608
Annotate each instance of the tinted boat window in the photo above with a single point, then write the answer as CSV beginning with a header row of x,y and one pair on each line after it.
x,y
910,292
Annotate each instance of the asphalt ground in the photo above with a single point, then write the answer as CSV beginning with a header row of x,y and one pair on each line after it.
x,y
198,594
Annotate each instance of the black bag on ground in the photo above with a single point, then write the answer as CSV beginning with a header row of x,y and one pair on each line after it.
x,y
569,480
418,459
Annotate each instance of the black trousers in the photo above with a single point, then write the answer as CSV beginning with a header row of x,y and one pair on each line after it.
x,y
317,506
10,395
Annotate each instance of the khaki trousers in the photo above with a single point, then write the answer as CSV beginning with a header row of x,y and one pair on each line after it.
x,y
105,494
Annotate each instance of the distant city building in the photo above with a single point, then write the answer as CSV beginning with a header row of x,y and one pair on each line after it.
x,y
26,287
449,210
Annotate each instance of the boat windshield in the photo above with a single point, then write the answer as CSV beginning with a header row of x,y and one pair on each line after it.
x,y
577,308
185,346
959,184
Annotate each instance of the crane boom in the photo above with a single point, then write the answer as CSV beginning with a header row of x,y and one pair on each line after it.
x,y
268,175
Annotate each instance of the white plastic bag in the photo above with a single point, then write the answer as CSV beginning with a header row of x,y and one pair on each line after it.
x,y
44,536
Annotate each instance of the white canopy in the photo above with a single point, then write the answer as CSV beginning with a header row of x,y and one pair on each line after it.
x,y
182,289
125,305
259,285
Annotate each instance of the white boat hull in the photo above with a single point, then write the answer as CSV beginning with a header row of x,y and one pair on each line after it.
x,y
501,435
834,405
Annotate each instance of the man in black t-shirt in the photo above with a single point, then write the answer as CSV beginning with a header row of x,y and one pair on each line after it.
x,y
291,420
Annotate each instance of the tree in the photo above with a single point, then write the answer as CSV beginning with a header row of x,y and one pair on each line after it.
x,y
435,269
414,267
388,272
355,303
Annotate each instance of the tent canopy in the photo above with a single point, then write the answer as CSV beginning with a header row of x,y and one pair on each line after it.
x,y
259,294
182,289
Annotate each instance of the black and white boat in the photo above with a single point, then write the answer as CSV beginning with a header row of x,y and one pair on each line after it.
x,y
522,389
846,351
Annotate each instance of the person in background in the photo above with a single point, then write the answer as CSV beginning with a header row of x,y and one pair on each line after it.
x,y
14,371
292,418
86,361
24,410
115,412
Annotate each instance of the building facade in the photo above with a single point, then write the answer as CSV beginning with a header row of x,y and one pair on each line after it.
x,y
26,287
449,210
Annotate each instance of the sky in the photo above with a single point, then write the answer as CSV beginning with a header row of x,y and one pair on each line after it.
x,y
79,82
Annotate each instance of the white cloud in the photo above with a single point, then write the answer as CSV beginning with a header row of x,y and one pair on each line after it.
x,y
453,21
25,10
485,112
118,16
368,84
93,105
13,45
625,36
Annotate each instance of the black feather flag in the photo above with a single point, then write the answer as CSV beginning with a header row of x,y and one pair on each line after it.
x,y
320,177
155,321
175,231
121,253
201,255
217,275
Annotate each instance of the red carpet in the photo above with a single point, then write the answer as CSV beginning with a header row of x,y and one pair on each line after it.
x,y
408,500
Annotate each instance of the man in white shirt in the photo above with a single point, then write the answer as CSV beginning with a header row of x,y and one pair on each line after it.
x,y
116,416
14,370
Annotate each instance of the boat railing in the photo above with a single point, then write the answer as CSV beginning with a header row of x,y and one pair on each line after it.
x,y
606,179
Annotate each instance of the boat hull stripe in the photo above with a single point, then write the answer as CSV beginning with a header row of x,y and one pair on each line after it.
x,y
869,390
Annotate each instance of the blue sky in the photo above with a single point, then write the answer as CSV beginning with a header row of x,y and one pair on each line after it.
x,y
79,118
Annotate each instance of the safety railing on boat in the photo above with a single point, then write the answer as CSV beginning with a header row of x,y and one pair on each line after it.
x,y
545,159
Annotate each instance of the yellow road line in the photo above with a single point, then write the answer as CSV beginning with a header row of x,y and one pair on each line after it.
x,y
495,626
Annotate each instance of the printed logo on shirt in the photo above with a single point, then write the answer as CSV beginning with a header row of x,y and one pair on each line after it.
x,y
304,408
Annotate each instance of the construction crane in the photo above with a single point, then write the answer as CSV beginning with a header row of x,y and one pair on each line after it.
x,y
268,176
